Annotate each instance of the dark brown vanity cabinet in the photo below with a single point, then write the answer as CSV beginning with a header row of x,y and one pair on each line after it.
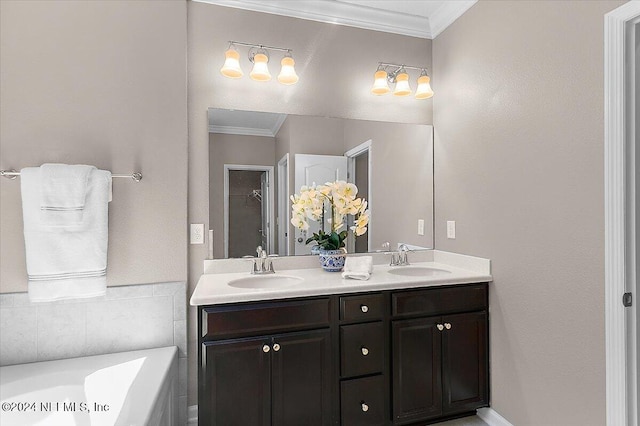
x,y
282,379
363,360
382,358
439,362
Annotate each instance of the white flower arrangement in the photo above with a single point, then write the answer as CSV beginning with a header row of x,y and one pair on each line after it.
x,y
309,205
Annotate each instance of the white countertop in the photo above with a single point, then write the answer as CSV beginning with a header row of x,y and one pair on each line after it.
x,y
214,289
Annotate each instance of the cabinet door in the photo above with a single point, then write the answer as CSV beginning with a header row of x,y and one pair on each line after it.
x,y
417,379
236,386
302,372
465,365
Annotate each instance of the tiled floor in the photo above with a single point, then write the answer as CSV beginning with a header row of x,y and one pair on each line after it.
x,y
465,421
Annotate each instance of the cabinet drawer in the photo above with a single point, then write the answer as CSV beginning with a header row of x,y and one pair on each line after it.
x,y
361,308
264,318
361,349
362,401
439,301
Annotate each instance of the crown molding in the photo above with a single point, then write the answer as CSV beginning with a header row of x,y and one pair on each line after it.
x,y
278,124
249,131
334,12
245,131
447,14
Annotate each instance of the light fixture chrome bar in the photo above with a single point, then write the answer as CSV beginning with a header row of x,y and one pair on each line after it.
x,y
12,174
260,46
400,66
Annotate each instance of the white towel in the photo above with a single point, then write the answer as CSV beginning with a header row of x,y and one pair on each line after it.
x,y
63,190
65,262
358,268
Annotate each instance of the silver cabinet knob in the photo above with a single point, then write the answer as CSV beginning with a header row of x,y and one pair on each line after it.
x,y
365,407
440,327
266,348
365,351
276,347
447,325
300,239
364,308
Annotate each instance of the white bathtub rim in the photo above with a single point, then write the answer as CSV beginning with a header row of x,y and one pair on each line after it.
x,y
149,389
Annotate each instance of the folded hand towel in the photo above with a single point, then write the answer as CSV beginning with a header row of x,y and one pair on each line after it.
x,y
63,191
66,262
358,268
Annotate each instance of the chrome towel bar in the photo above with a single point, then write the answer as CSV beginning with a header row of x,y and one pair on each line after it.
x,y
12,174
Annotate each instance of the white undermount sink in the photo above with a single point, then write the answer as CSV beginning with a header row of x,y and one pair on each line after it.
x,y
418,271
265,281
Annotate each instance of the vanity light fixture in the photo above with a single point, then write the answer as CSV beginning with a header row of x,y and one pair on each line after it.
x,y
259,56
424,90
288,72
397,74
231,67
402,83
380,85
260,71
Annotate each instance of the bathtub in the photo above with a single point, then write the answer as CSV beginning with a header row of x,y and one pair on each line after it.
x,y
127,388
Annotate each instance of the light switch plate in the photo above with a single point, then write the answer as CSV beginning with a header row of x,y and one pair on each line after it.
x,y
420,226
197,233
451,229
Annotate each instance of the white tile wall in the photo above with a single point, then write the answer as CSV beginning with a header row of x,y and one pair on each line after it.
x,y
18,336
126,318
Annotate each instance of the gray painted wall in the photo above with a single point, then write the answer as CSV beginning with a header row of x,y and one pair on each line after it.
x,y
100,83
518,118
335,65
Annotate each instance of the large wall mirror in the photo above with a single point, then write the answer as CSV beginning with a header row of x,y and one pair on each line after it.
x,y
258,159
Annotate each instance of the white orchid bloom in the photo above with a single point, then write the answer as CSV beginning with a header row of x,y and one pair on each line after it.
x,y
300,223
360,231
363,219
350,191
363,207
311,204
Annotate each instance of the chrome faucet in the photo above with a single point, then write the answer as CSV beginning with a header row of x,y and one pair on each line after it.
x,y
400,258
263,263
403,260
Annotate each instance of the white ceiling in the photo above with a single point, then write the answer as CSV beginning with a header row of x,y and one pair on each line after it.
x,y
415,18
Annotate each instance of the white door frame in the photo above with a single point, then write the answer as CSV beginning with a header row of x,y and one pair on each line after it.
x,y
621,402
327,168
250,167
351,170
284,213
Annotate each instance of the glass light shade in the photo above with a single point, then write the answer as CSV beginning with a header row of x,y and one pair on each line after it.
x,y
424,90
402,85
231,67
260,71
287,72
380,85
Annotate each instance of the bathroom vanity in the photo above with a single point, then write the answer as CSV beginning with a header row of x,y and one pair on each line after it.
x,y
394,350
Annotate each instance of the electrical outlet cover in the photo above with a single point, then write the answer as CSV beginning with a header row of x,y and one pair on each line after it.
x,y
197,233
451,229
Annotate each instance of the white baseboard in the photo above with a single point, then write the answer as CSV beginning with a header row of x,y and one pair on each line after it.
x,y
488,415
192,415
492,418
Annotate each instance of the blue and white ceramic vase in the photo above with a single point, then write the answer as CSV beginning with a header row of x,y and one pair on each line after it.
x,y
332,260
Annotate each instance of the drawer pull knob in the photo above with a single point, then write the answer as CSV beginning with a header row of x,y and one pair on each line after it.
x,y
365,407
276,347
365,351
447,325
364,309
440,327
266,348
